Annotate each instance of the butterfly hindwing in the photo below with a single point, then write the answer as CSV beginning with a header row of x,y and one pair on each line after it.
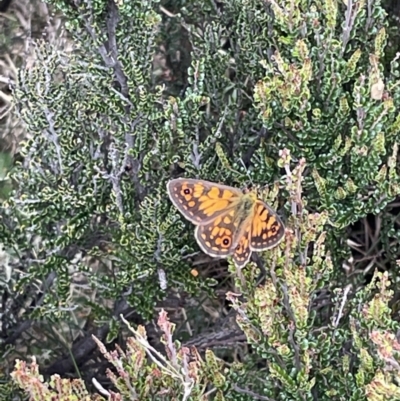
x,y
220,237
243,252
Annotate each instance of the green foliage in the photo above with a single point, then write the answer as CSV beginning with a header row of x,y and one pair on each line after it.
x,y
135,377
29,379
307,356
5,167
258,91
331,107
96,171
311,352
89,169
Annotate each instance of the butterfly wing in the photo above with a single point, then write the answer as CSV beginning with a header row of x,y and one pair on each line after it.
x,y
228,222
220,237
201,201
267,229
243,252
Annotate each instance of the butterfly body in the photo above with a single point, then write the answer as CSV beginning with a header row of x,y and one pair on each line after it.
x,y
229,222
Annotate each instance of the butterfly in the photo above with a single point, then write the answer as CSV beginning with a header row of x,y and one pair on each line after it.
x,y
229,222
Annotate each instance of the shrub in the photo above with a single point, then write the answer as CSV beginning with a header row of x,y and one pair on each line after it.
x,y
291,96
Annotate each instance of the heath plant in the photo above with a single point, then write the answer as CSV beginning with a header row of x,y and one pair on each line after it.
x,y
295,98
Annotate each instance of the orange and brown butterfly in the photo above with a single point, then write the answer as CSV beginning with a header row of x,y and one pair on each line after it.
x,y
229,222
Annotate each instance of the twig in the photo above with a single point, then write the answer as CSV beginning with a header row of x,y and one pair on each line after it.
x,y
251,393
340,314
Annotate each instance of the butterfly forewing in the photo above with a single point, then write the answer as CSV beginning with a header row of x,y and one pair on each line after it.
x,y
267,229
202,201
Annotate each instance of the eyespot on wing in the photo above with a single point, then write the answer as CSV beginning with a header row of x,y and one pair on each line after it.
x,y
201,201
